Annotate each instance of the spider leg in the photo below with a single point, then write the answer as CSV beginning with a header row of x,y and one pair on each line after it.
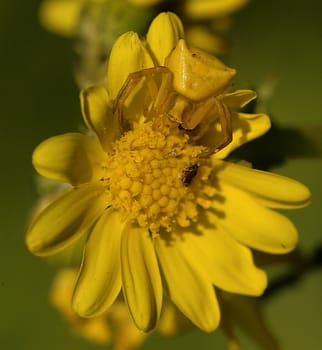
x,y
197,112
158,84
118,108
161,99
225,119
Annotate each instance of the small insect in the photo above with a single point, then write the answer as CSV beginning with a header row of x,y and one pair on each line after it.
x,y
182,94
188,174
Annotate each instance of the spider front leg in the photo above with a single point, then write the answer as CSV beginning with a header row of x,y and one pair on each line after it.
x,y
196,112
213,113
162,79
155,85
225,118
200,114
127,89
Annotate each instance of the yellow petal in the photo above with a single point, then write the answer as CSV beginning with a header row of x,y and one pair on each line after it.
x,y
229,264
206,39
212,8
164,33
246,127
252,224
66,219
99,281
141,279
98,115
61,16
187,283
128,55
74,158
144,2
96,330
196,74
239,98
272,190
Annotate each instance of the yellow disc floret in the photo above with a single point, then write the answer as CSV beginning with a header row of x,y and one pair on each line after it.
x,y
156,177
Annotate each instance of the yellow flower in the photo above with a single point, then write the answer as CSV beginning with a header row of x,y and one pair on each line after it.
x,y
212,8
95,24
94,329
114,326
167,215
205,19
63,16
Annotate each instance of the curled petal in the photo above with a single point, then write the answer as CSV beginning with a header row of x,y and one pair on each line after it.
x,y
270,189
128,55
141,279
163,35
246,127
99,281
228,263
66,219
239,98
250,223
98,115
187,283
74,158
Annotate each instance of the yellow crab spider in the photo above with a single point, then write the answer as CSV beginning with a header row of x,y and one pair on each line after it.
x,y
180,94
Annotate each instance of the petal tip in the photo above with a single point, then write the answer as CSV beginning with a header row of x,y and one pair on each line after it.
x,y
82,306
261,283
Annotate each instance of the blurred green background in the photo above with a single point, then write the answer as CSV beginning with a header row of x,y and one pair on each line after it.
x,y
274,43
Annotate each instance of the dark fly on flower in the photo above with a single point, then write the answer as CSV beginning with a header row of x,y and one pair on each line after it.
x,y
188,173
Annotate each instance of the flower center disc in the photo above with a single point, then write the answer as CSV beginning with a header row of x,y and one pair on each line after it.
x,y
156,177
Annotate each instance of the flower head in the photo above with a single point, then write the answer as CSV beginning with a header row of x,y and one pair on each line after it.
x,y
166,214
64,16
95,24
114,326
